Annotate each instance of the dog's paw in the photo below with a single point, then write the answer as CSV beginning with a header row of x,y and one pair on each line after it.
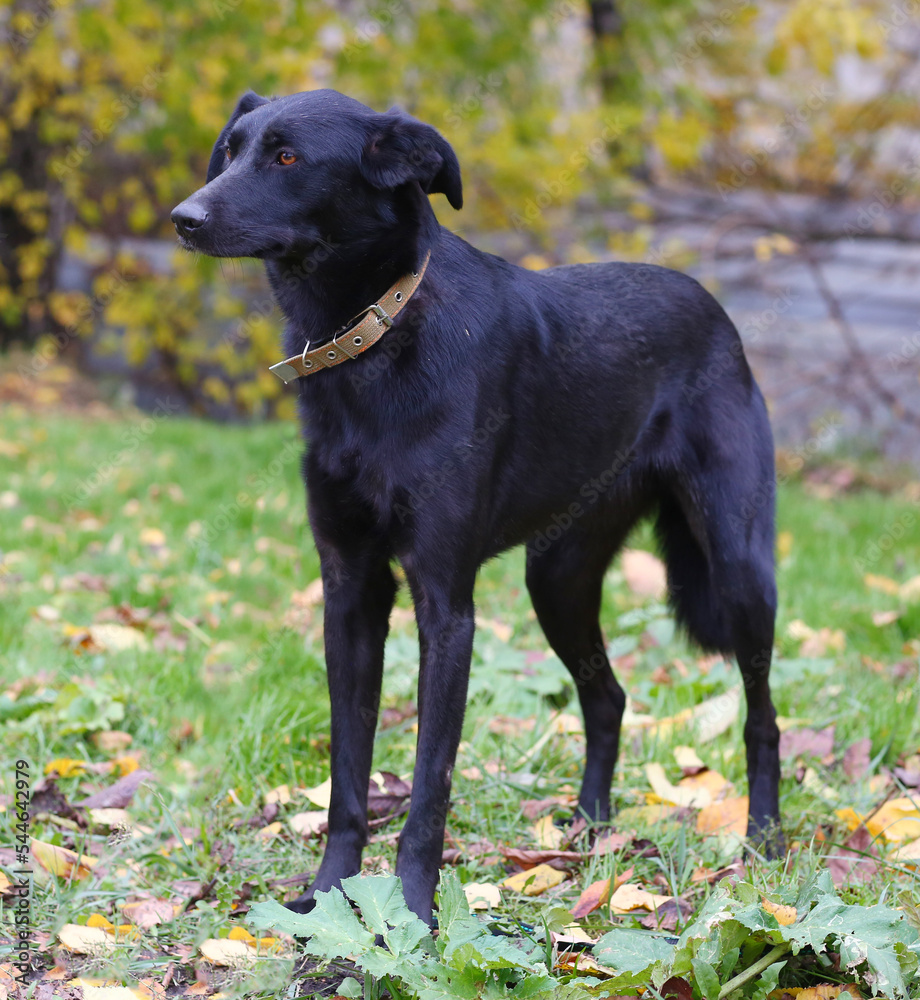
x,y
303,904
766,840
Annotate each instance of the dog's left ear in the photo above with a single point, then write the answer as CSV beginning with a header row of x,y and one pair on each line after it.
x,y
402,149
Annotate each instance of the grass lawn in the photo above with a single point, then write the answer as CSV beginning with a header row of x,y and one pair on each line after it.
x,y
156,582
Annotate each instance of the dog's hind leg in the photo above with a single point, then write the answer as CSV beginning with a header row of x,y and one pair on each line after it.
x,y
716,527
565,584
358,591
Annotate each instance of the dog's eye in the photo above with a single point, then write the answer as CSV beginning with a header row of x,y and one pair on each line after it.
x,y
227,151
286,159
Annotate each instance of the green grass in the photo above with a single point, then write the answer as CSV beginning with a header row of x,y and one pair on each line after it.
x,y
234,704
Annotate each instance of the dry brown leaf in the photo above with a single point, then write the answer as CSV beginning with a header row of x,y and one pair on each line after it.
x,y
530,859
807,743
117,796
856,759
609,843
856,862
112,740
591,898
882,618
147,913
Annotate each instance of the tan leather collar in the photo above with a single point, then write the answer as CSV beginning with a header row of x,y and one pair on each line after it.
x,y
350,341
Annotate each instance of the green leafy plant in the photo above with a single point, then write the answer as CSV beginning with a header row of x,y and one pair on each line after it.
x,y
741,940
464,960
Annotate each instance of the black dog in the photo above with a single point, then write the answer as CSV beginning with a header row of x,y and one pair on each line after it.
x,y
502,406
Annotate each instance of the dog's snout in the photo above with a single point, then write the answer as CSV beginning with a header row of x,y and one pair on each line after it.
x,y
188,217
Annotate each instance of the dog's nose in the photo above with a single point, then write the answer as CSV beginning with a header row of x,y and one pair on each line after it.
x,y
188,217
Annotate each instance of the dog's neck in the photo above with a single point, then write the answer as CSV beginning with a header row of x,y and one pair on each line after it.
x,y
329,286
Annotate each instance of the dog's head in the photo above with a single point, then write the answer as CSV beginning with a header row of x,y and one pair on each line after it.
x,y
289,174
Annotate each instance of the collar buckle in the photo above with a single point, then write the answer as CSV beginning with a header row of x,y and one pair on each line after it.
x,y
383,317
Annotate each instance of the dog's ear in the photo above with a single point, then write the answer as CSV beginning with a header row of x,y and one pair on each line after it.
x,y
402,149
248,102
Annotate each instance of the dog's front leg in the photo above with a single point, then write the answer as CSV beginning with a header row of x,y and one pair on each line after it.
x,y
446,625
358,593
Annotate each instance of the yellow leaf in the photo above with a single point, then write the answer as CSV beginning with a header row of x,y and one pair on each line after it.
x,y
115,638
270,831
62,862
687,758
883,583
535,881
152,536
241,934
785,915
86,940
66,767
227,952
309,824
482,895
321,796
549,836
281,795
630,896
678,795
126,765
784,544
727,817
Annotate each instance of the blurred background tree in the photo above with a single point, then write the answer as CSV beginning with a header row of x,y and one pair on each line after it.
x,y
110,108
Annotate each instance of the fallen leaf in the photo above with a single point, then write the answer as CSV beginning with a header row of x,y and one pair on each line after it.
x,y
280,795
530,859
310,824
727,817
785,915
690,793
883,583
147,913
111,740
117,796
856,862
910,589
482,895
644,573
535,881
227,952
387,795
856,759
533,808
547,834
113,638
825,991
321,795
676,988
668,915
807,743
591,898
62,862
609,843
66,767
644,815
688,760
86,940
154,537
631,896
816,642
882,618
